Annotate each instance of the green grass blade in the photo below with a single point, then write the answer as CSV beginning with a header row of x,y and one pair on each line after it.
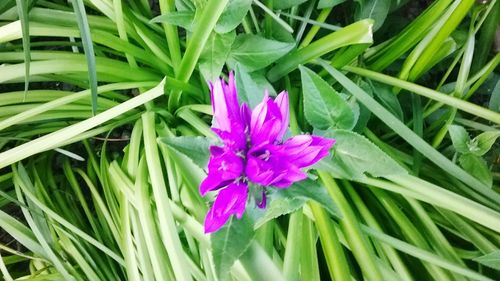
x,y
400,128
60,137
22,10
88,47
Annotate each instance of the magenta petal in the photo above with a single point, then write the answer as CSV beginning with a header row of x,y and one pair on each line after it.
x,y
230,201
305,150
266,122
224,166
225,104
282,102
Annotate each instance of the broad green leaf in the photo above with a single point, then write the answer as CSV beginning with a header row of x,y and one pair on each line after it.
x,y
354,155
459,137
323,107
288,200
233,15
329,3
477,167
285,4
494,103
373,9
254,52
214,55
483,142
251,86
229,243
196,148
491,260
280,33
182,19
388,99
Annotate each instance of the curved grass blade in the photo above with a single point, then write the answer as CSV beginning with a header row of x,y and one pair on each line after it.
x,y
88,48
408,135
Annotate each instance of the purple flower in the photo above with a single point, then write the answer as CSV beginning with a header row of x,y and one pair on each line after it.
x,y
253,151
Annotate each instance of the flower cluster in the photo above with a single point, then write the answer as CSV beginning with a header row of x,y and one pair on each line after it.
x,y
253,151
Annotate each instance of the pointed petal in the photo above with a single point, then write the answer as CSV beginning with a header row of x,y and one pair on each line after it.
x,y
305,150
266,122
230,200
283,104
225,104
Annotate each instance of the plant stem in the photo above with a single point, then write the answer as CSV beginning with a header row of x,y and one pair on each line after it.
x,y
349,223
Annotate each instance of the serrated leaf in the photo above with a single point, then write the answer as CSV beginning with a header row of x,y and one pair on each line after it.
x,y
182,19
354,156
232,16
459,137
254,52
490,260
214,55
252,86
323,4
373,9
323,107
288,200
483,142
388,99
196,148
477,167
229,243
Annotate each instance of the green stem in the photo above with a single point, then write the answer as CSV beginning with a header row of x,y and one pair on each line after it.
x,y
207,21
167,6
292,249
309,267
350,227
332,249
259,266
315,28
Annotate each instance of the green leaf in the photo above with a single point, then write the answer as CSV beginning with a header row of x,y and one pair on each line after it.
x,y
364,112
494,103
288,200
214,55
232,16
196,148
88,47
22,11
373,9
323,107
477,167
229,243
354,155
254,52
483,142
329,3
285,4
490,260
182,19
388,99
459,137
252,86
